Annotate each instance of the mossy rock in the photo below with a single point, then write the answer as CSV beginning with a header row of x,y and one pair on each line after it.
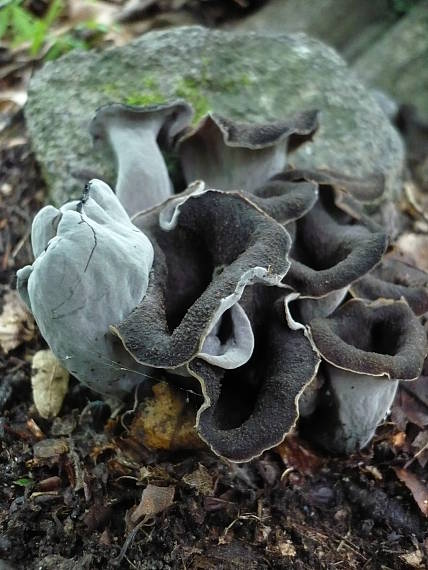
x,y
249,76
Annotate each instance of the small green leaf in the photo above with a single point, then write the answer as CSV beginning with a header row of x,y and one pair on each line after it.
x,y
24,482
38,38
53,13
63,45
4,21
22,25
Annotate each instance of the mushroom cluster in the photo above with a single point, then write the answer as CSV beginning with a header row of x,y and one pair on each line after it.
x,y
267,288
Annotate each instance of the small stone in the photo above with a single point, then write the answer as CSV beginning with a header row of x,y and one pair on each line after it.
x,y
50,448
6,189
341,515
49,381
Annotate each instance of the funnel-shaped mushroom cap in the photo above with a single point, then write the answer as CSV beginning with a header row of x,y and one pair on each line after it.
x,y
283,200
91,269
394,279
368,190
134,134
210,246
252,408
241,156
366,348
382,338
330,251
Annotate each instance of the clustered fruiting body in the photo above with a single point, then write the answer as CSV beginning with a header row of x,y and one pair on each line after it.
x,y
242,283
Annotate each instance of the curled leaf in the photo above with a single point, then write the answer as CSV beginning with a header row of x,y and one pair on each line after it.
x,y
416,486
16,323
153,501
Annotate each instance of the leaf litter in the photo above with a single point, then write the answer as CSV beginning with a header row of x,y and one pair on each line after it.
x,y
74,483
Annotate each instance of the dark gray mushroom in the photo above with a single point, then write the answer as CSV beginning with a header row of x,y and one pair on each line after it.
x,y
83,250
134,134
330,251
283,200
203,276
350,194
209,247
239,156
252,408
394,279
366,349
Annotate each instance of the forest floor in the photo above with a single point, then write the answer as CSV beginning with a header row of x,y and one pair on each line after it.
x,y
69,487
83,492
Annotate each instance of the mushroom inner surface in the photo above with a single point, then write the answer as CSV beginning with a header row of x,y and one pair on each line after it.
x,y
380,336
240,389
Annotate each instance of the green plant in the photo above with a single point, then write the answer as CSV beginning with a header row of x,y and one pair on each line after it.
x,y
20,26
402,7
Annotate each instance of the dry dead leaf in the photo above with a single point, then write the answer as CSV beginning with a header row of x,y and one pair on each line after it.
x,y
154,474
166,421
418,488
50,448
154,500
294,454
50,383
17,97
411,404
399,439
414,559
133,9
16,323
373,471
420,443
287,549
201,480
103,13
414,246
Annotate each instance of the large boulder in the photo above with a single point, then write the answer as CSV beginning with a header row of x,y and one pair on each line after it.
x,y
247,76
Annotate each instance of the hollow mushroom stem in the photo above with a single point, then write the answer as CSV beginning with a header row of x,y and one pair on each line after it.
x,y
134,135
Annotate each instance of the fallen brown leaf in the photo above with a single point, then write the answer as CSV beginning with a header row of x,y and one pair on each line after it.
x,y
294,454
411,404
414,559
16,323
35,429
201,480
93,10
418,488
166,421
154,500
416,247
420,444
49,484
399,439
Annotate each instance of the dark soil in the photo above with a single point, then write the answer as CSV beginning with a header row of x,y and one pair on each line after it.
x,y
67,487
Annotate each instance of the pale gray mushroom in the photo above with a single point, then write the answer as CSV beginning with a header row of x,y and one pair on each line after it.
x,y
136,135
91,269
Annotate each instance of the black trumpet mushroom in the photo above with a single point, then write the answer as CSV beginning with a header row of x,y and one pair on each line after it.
x,y
239,284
